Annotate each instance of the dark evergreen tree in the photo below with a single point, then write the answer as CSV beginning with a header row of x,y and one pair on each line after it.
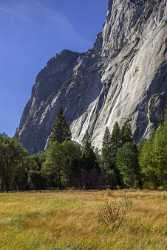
x,y
116,143
153,158
13,174
126,133
60,131
127,163
107,164
90,170
34,166
88,155
116,139
62,164
106,147
72,164
111,145
53,165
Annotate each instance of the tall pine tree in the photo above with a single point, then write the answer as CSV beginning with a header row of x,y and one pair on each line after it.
x,y
106,147
60,131
111,145
126,133
107,165
88,155
90,169
127,159
116,143
128,165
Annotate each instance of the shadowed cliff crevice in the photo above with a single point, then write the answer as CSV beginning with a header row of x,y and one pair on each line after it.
x,y
122,77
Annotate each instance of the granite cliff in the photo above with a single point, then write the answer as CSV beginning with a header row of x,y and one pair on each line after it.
x,y
122,77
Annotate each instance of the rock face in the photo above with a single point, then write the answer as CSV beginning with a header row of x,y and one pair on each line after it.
x,y
124,76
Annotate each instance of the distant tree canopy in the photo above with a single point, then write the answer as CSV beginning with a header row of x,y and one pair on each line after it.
x,y
65,163
68,164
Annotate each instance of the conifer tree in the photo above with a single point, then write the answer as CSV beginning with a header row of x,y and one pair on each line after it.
x,y
111,144
106,157
12,164
60,131
90,168
126,133
116,144
116,141
153,158
106,147
128,165
127,158
88,154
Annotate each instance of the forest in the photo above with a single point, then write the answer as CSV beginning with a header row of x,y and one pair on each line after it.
x,y
121,163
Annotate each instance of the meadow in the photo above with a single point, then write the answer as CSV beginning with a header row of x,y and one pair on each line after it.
x,y
73,220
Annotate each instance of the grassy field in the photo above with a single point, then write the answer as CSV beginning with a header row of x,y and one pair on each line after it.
x,y
70,220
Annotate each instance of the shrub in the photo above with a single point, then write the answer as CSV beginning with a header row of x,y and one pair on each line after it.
x,y
113,214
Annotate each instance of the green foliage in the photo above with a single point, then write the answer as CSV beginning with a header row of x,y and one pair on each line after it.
x,y
60,131
34,166
146,162
153,158
116,140
90,170
62,155
106,149
88,155
61,163
13,174
126,133
116,143
120,157
71,163
52,167
107,162
127,163
68,164
110,147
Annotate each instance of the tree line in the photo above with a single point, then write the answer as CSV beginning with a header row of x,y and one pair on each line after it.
x,y
66,164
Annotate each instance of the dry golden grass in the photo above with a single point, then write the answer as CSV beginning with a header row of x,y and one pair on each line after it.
x,y
69,221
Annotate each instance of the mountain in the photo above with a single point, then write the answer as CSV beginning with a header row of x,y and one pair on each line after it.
x,y
122,77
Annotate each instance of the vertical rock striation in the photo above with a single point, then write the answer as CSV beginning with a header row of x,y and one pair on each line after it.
x,y
123,77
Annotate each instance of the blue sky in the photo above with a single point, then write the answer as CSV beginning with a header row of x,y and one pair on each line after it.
x,y
33,31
